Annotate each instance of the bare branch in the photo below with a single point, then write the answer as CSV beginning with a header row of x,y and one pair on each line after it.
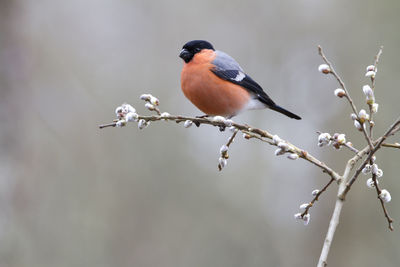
x,y
316,197
340,81
395,145
378,192
334,222
378,145
377,57
347,95
224,152
253,132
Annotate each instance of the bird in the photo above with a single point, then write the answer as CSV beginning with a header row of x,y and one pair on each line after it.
x,y
216,84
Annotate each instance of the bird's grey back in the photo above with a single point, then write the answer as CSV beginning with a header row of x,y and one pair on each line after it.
x,y
225,62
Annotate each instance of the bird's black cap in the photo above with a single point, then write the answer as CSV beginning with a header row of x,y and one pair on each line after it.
x,y
193,47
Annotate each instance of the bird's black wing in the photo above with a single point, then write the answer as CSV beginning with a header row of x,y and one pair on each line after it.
x,y
226,68
240,78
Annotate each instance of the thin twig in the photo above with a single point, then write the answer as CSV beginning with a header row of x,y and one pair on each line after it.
x,y
347,95
377,57
395,145
350,147
340,81
302,154
378,192
225,153
379,143
316,197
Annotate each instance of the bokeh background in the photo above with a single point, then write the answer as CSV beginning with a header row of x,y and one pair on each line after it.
x,y
74,195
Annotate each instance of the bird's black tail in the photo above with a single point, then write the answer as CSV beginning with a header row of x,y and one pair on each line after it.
x,y
284,111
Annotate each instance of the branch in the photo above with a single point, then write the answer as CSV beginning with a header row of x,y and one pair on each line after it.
x,y
224,151
395,145
317,195
340,81
334,222
332,71
370,104
393,128
378,192
259,134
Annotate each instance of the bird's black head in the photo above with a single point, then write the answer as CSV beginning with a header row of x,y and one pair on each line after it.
x,y
191,48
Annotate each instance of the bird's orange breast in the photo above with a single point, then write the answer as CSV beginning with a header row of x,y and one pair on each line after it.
x,y
208,92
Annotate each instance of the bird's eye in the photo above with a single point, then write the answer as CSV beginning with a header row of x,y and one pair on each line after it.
x,y
196,50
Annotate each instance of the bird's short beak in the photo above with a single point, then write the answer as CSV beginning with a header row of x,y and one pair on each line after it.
x,y
185,55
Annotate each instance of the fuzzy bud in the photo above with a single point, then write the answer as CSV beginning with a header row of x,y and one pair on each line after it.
x,y
379,173
119,111
146,97
283,146
374,168
375,107
131,116
353,116
120,123
363,115
306,218
223,149
370,183
279,152
340,92
228,122
304,206
370,74
165,115
188,123
324,68
222,162
218,119
293,156
128,108
368,91
149,106
143,124
370,68
366,169
154,101
276,139
341,139
357,125
385,196
232,129
324,139
315,192
297,216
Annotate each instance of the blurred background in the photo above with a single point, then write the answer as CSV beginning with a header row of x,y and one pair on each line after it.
x,y
74,195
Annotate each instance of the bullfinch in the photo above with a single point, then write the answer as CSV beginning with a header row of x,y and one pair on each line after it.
x,y
215,83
